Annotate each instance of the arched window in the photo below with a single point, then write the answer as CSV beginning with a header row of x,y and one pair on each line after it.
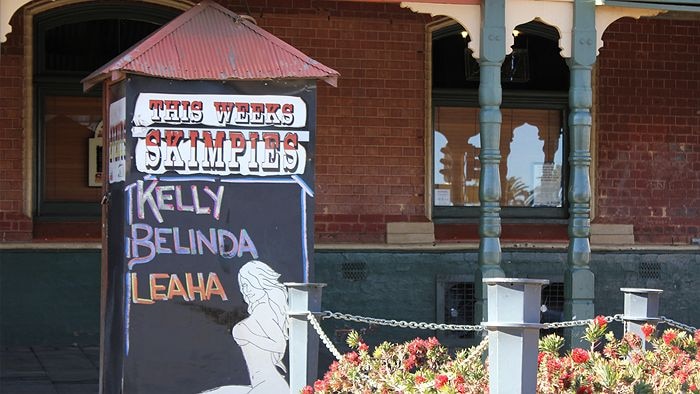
x,y
535,81
71,42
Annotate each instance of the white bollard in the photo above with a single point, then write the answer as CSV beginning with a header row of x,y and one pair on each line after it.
x,y
641,306
303,341
514,327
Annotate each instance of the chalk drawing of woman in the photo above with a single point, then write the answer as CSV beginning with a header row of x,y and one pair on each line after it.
x,y
262,336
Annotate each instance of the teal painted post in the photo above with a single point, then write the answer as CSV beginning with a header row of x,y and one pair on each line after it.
x,y
303,340
579,283
493,51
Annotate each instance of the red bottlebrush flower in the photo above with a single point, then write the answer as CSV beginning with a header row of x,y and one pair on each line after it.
x,y
692,386
633,340
353,358
681,375
461,388
669,336
363,347
419,379
409,363
415,345
579,355
600,321
459,379
553,365
565,380
320,385
440,380
610,352
540,357
432,342
334,366
328,375
307,390
584,390
647,330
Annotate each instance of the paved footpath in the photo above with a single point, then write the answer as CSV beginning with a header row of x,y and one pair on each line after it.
x,y
49,370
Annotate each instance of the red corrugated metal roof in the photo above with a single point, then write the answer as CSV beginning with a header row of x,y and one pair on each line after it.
x,y
210,42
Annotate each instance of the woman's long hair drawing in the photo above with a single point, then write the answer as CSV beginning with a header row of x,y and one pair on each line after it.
x,y
262,336
264,278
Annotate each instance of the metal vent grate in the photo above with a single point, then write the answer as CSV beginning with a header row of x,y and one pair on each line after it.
x,y
553,301
459,306
649,270
354,270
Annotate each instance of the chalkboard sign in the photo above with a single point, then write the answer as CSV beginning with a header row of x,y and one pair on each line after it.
x,y
210,211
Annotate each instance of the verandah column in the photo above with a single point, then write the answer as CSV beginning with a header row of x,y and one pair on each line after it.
x,y
492,53
579,281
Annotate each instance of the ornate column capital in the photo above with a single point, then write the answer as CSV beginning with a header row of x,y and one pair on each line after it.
x,y
467,15
556,13
7,9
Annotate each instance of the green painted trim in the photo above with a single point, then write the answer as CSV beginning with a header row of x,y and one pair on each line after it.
x,y
49,297
56,246
30,247
537,99
532,214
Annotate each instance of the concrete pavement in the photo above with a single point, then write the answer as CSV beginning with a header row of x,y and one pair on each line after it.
x,y
49,370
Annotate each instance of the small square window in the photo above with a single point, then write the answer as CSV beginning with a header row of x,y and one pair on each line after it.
x,y
455,295
552,310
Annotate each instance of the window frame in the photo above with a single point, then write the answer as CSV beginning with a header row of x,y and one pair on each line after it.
x,y
67,83
48,211
512,99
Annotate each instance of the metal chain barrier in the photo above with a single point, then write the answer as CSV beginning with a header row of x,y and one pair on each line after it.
x,y
678,325
324,338
455,327
450,327
584,322
401,323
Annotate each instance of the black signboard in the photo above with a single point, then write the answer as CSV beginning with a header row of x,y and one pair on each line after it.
x,y
210,211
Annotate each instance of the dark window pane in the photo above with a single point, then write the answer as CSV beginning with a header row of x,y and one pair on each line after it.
x,y
85,46
533,63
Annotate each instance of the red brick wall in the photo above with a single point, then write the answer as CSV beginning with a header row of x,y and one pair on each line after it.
x,y
648,125
14,225
370,156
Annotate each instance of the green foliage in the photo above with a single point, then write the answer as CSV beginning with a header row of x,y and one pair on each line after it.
x,y
551,343
642,388
353,340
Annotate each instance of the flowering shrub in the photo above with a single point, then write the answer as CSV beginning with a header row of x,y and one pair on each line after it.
x,y
670,365
418,366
